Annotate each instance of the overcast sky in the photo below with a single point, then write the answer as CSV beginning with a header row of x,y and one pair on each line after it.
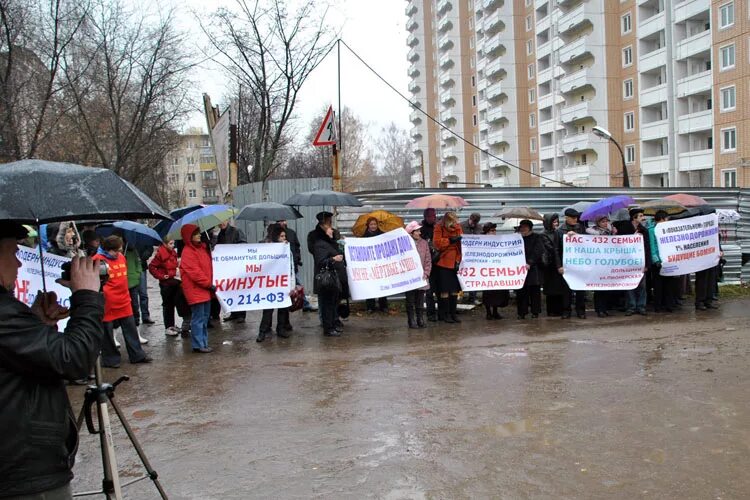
x,y
375,30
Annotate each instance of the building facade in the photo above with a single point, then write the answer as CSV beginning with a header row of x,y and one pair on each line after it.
x,y
519,85
191,171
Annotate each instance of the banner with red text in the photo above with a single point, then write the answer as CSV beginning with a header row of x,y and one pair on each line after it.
x,y
492,262
383,265
688,245
603,262
29,281
253,276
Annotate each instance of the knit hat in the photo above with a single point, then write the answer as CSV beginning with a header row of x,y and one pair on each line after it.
x,y
412,226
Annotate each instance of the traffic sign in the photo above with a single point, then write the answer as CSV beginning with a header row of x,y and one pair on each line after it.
x,y
326,135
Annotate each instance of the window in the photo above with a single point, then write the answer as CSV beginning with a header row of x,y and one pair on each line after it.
x,y
532,70
209,193
208,175
474,119
726,57
726,15
532,96
473,100
190,160
627,56
533,167
473,81
627,23
532,144
629,121
471,42
728,98
174,178
532,120
729,178
728,140
529,46
175,161
528,23
627,89
191,177
192,193
630,154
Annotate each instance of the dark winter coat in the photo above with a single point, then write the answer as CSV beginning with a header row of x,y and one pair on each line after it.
x,y
553,280
427,231
230,235
196,269
628,228
533,247
312,235
38,436
324,249
293,239
61,248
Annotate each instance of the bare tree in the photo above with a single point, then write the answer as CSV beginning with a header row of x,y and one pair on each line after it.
x,y
270,50
34,36
394,150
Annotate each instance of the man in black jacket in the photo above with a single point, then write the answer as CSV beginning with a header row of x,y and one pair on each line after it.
x,y
228,235
572,225
39,437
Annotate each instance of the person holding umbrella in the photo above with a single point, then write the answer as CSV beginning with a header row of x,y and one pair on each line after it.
x,y
447,240
326,253
197,284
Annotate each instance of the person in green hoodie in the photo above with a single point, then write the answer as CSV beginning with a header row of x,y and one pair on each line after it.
x,y
665,287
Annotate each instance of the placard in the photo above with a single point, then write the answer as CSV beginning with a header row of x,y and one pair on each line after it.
x,y
603,262
492,262
688,245
29,281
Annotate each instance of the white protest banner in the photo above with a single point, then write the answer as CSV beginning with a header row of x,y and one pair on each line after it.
x,y
253,276
29,281
688,245
603,262
492,262
383,265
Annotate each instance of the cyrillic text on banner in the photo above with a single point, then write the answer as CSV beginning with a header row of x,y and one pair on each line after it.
x,y
492,262
603,262
688,245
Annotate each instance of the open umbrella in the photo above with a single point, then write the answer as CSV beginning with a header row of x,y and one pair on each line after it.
x,y
162,227
519,213
579,206
137,235
205,218
606,206
268,211
687,200
323,197
31,193
386,222
441,201
669,206
511,224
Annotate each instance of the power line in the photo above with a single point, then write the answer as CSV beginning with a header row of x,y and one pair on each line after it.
x,y
444,127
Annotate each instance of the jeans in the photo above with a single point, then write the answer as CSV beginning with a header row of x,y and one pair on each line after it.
x,y
199,324
637,297
110,353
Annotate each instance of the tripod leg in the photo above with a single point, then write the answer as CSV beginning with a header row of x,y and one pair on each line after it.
x,y
111,483
141,454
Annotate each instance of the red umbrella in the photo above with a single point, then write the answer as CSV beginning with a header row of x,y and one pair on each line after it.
x,y
687,200
437,201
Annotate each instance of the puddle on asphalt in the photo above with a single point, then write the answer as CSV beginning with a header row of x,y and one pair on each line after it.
x,y
143,413
509,429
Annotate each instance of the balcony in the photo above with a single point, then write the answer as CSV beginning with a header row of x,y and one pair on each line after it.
x,y
446,115
543,24
574,18
447,153
573,50
538,4
578,142
412,56
416,162
548,152
548,100
689,8
210,200
414,87
576,80
446,61
494,91
652,25
575,112
655,165
493,46
447,135
693,45
209,183
416,179
444,6
411,24
695,122
652,60
494,69
695,160
446,98
654,130
413,71
415,133
412,40
496,137
544,75
653,95
495,114
493,23
490,5
446,80
415,117
443,25
445,43
546,127
411,8
694,84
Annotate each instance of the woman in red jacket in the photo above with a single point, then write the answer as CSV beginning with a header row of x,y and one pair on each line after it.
x,y
117,306
197,285
163,267
447,241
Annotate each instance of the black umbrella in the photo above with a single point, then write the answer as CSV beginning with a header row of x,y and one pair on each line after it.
x,y
268,211
323,197
38,192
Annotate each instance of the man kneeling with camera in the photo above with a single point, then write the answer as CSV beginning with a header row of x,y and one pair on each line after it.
x,y
38,435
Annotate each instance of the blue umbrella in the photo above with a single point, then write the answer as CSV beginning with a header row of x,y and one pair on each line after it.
x,y
205,218
606,206
137,235
162,227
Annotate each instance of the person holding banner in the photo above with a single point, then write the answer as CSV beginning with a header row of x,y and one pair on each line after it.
x,y
196,270
374,230
572,225
415,298
601,227
665,287
447,240
554,284
636,298
326,253
531,290
492,299
277,234
427,232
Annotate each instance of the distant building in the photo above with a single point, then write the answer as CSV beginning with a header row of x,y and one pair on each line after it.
x,y
192,176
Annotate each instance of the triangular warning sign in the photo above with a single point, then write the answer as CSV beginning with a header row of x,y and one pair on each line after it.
x,y
326,135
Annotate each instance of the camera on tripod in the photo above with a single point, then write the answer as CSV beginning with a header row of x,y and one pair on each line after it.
x,y
103,272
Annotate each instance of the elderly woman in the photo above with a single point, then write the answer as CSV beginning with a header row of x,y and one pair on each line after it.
x,y
602,227
371,230
415,298
492,299
447,241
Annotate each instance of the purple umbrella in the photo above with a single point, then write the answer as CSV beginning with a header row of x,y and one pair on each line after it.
x,y
606,206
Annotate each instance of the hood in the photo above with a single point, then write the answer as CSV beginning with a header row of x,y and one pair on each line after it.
x,y
186,232
102,252
73,248
548,219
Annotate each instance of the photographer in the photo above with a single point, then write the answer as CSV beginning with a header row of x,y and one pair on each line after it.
x,y
39,435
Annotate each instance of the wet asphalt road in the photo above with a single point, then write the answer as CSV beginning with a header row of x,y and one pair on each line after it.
x,y
655,407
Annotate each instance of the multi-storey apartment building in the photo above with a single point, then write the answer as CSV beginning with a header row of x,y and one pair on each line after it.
x,y
192,173
527,80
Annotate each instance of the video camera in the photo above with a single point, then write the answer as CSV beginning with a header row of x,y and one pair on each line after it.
x,y
103,272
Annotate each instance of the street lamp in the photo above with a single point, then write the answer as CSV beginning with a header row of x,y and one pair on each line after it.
x,y
604,134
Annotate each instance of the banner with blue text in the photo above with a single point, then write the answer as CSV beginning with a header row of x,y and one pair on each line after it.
x,y
383,265
253,276
603,262
688,245
492,262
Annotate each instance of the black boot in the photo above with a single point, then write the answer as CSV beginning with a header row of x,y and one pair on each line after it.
x,y
420,318
411,316
496,314
489,312
453,304
443,311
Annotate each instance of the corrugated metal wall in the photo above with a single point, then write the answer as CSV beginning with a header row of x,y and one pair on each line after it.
x,y
743,230
279,191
